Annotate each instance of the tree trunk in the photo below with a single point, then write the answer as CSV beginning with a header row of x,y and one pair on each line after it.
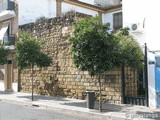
x,y
100,94
32,80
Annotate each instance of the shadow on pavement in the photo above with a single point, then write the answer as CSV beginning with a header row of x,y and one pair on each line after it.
x,y
109,107
39,97
6,92
106,107
76,104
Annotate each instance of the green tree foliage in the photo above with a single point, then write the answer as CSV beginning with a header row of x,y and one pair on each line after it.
x,y
97,51
93,49
129,51
28,52
3,55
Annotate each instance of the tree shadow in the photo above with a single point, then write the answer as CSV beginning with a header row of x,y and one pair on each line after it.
x,y
6,92
41,97
76,104
106,107
109,107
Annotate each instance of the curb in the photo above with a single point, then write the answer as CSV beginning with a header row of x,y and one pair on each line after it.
x,y
108,117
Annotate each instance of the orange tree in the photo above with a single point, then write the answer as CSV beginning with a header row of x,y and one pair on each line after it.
x,y
96,50
28,53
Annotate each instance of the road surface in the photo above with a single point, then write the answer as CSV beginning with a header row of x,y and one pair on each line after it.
x,y
14,111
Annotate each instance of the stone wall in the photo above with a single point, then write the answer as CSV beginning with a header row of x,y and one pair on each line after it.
x,y
62,78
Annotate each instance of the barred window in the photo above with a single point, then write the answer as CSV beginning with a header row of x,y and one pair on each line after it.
x,y
117,20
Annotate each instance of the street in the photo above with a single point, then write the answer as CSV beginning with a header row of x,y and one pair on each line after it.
x,y
12,111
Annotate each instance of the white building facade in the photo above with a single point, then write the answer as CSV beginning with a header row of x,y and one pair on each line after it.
x,y
29,10
8,34
144,13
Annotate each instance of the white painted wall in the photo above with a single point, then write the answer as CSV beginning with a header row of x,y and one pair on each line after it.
x,y
108,18
135,11
68,7
30,10
88,1
2,86
151,81
15,87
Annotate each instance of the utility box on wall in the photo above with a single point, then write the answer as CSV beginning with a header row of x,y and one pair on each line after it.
x,y
157,80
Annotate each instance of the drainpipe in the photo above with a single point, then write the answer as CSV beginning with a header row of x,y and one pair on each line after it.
x,y
100,16
59,8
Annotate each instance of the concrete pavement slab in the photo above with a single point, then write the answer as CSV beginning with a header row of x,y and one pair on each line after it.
x,y
110,111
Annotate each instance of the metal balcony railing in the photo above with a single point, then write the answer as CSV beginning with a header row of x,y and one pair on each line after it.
x,y
9,40
7,5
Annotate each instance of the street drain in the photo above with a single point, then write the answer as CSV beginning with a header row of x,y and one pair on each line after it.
x,y
35,105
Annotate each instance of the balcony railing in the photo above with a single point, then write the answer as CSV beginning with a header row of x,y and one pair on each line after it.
x,y
7,5
9,40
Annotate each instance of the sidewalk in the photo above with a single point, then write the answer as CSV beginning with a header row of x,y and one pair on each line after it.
x,y
110,111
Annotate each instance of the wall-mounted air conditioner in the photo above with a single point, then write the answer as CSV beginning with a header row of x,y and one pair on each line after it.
x,y
136,28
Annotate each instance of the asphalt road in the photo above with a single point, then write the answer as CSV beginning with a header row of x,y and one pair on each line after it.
x,y
13,111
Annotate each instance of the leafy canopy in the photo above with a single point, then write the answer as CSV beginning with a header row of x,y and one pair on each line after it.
x,y
3,55
130,54
96,50
28,52
93,48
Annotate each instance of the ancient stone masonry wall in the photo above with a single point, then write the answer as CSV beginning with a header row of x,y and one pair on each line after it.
x,y
62,78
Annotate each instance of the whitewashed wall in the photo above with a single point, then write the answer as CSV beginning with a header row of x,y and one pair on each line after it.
x,y
151,81
108,18
68,7
145,12
134,12
2,86
30,10
88,1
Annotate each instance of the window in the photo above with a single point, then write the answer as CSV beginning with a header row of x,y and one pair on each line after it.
x,y
117,20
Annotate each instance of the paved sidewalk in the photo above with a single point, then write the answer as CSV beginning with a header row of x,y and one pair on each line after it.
x,y
110,111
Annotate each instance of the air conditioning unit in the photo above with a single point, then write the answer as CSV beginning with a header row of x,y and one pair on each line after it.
x,y
136,28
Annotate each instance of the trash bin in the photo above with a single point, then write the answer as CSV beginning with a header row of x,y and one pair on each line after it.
x,y
90,99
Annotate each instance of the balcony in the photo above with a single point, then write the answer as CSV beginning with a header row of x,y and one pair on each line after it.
x,y
9,40
7,5
7,10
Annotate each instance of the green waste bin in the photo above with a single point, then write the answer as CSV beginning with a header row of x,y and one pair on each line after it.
x,y
90,99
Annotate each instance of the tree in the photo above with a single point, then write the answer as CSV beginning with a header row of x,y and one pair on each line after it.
x,y
130,53
3,55
97,51
94,49
28,53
